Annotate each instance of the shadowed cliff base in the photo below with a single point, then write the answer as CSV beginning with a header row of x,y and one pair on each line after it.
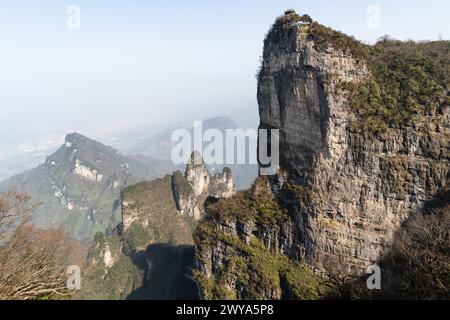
x,y
417,267
167,274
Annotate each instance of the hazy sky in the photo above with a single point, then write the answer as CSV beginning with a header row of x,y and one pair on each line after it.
x,y
156,60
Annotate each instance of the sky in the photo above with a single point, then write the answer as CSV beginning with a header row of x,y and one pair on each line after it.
x,y
160,61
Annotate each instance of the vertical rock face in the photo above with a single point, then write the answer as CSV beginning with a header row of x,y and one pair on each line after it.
x,y
197,175
86,172
297,93
222,185
192,190
360,188
345,193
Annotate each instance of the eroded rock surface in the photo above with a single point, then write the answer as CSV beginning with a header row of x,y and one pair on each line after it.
x,y
197,185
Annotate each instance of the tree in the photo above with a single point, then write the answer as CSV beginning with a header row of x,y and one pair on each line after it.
x,y
290,11
385,39
419,264
14,211
32,261
307,19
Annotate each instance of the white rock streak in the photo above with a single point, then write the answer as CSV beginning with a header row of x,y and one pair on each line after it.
x,y
86,172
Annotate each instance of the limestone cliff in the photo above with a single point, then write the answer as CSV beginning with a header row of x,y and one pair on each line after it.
x,y
198,184
348,179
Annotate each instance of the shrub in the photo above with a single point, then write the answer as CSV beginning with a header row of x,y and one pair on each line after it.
x,y
407,80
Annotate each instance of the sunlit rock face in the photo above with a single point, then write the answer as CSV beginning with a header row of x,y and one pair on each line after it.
x,y
198,185
360,188
86,172
222,184
158,219
197,175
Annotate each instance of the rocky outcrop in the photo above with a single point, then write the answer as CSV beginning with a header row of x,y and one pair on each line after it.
x,y
86,172
101,252
197,175
120,264
222,185
192,190
340,194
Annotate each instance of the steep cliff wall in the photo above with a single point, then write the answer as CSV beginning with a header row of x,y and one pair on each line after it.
x,y
348,177
360,188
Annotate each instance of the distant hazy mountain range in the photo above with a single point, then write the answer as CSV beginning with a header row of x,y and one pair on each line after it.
x,y
21,155
160,147
130,138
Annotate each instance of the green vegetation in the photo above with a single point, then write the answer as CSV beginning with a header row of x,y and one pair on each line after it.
x,y
100,242
155,220
261,275
181,185
408,80
137,238
83,206
114,284
325,37
154,205
257,204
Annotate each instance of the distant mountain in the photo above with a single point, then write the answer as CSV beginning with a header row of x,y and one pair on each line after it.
x,y
160,146
130,138
79,185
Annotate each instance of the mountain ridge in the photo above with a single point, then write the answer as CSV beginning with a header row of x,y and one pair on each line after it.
x,y
79,185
